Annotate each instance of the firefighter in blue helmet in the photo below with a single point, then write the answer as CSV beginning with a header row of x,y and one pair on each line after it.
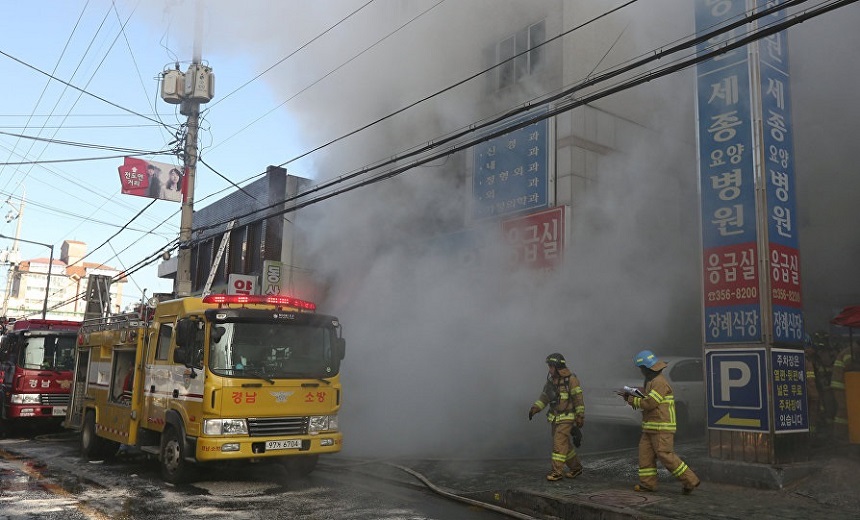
x,y
566,414
658,426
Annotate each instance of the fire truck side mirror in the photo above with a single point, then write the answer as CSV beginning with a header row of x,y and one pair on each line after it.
x,y
218,333
186,332
340,347
179,355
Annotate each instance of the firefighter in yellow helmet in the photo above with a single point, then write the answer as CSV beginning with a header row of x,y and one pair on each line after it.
x,y
658,427
566,414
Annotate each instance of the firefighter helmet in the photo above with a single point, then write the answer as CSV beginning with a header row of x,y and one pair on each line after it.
x,y
646,359
556,360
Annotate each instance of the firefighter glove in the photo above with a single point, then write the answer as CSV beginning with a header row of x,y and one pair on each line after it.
x,y
532,412
579,420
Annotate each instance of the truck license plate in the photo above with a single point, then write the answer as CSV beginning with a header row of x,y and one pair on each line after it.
x,y
59,410
284,445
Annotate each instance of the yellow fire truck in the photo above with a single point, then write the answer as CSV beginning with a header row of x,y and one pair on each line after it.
x,y
219,378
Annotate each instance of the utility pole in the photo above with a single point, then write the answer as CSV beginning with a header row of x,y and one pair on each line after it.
x,y
189,90
12,256
182,286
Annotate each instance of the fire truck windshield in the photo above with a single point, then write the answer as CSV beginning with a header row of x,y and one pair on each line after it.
x,y
49,352
272,350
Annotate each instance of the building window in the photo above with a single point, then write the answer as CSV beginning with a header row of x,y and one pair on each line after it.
x,y
165,332
529,56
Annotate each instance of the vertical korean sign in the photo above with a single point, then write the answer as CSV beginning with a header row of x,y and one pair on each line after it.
x,y
788,377
728,199
271,277
511,172
778,175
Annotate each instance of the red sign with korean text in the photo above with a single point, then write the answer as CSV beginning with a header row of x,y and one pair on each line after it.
x,y
731,275
537,239
785,275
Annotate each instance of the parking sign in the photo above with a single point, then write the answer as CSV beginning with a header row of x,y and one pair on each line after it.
x,y
737,389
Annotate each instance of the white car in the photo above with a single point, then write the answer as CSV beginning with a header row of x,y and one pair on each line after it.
x,y
685,375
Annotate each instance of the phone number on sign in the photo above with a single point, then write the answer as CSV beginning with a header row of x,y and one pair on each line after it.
x,y
741,293
786,295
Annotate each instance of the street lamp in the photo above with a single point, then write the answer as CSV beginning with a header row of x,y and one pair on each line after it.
x,y
50,265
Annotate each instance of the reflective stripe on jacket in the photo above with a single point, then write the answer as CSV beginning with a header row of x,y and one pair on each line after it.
x,y
570,401
843,361
658,406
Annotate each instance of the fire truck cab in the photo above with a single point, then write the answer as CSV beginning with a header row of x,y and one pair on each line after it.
x,y
211,379
36,361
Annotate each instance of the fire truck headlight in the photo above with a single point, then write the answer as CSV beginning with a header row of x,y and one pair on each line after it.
x,y
322,423
26,398
225,427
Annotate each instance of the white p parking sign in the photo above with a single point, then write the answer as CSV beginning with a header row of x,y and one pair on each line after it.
x,y
737,389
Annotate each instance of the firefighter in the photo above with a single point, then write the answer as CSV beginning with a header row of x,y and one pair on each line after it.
x,y
658,427
813,394
844,362
566,410
825,354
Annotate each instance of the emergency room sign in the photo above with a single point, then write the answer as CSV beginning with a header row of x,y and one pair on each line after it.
x,y
537,240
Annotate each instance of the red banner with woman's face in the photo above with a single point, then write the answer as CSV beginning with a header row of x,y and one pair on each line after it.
x,y
155,180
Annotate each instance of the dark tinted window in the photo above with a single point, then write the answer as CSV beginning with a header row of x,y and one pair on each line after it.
x,y
686,371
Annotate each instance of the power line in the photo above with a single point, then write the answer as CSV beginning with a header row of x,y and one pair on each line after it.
x,y
48,82
411,105
645,77
300,92
142,153
76,144
290,55
83,91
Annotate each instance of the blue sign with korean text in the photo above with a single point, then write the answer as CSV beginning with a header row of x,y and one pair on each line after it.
x,y
511,172
778,175
737,390
727,180
788,377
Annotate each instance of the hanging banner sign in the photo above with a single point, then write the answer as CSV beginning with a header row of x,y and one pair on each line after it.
x,y
155,180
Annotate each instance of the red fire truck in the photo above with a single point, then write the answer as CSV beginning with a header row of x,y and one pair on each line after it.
x,y
36,364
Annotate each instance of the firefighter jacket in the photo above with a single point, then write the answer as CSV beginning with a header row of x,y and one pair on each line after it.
x,y
812,393
658,406
844,361
564,397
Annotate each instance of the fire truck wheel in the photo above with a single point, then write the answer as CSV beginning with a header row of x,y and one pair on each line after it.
x,y
300,465
174,467
92,446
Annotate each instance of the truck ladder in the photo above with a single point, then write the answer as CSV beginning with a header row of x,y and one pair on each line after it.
x,y
224,239
114,322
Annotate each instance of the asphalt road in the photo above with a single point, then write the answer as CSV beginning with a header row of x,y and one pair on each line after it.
x,y
43,477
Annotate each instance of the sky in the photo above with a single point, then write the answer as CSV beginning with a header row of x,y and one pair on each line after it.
x,y
116,51
437,347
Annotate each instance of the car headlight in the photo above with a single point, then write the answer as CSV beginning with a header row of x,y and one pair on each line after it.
x,y
322,423
26,398
225,427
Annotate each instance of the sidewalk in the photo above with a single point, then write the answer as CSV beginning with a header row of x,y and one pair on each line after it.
x,y
827,488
